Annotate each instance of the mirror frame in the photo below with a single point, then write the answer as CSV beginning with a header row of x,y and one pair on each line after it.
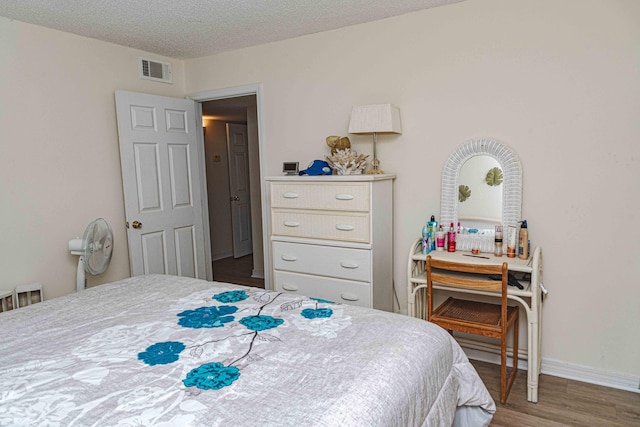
x,y
511,187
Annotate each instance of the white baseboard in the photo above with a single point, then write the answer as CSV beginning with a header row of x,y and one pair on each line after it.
x,y
591,375
566,370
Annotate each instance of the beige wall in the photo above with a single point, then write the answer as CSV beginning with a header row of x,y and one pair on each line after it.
x,y
59,156
559,82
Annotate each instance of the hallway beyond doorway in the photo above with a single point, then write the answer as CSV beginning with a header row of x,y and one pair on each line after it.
x,y
236,270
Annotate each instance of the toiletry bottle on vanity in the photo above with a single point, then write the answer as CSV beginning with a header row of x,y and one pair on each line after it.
x,y
426,244
497,249
523,241
451,239
440,239
432,225
512,241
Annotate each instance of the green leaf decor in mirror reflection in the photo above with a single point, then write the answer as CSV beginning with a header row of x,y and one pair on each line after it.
x,y
494,177
463,193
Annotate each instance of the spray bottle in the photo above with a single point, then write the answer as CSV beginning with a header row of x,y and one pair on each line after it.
x,y
451,239
432,226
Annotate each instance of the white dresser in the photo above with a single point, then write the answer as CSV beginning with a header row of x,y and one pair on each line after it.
x,y
331,237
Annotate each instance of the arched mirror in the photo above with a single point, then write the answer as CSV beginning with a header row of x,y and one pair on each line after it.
x,y
481,188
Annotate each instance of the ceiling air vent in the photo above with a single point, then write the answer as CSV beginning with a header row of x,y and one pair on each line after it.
x,y
155,70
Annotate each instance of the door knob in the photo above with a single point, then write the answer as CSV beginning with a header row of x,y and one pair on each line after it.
x,y
136,224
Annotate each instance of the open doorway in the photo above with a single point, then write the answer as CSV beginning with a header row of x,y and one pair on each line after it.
x,y
235,209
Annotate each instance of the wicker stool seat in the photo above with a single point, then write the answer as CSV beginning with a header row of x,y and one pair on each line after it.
x,y
480,314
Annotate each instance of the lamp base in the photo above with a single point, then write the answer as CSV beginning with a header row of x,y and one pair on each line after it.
x,y
375,172
375,166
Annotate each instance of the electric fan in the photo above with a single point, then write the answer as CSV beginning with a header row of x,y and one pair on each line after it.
x,y
94,250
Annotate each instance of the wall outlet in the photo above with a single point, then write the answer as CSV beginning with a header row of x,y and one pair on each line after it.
x,y
217,158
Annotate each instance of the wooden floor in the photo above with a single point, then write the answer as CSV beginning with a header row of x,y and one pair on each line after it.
x,y
236,270
561,402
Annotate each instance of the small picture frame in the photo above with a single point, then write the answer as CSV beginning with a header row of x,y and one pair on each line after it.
x,y
290,168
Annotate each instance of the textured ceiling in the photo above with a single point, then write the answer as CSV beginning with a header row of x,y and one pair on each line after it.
x,y
194,28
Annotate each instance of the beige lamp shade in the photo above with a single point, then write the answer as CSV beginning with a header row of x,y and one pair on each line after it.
x,y
375,119
378,118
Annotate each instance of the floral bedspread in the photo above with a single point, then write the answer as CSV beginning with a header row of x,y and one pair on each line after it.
x,y
170,351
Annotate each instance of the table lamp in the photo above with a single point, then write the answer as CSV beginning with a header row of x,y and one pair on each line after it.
x,y
375,119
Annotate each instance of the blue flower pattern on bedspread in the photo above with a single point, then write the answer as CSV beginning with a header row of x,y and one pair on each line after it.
x,y
261,323
211,376
162,353
317,313
207,317
231,296
216,375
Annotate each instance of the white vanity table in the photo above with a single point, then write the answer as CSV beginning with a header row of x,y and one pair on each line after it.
x,y
530,298
507,211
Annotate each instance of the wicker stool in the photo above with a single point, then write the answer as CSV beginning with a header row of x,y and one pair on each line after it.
x,y
28,294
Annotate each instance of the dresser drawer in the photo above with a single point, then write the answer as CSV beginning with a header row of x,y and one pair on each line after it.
x,y
330,196
345,226
335,290
345,263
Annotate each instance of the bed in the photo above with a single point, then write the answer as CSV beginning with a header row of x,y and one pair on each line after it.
x,y
172,351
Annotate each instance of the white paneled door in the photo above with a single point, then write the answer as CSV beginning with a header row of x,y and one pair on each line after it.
x,y
161,181
238,152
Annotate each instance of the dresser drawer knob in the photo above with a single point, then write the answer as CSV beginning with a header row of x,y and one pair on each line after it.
x,y
349,297
343,196
287,257
290,195
289,287
291,223
345,227
348,264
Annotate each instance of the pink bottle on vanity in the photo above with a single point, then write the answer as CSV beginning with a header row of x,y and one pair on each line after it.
x,y
440,239
451,239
